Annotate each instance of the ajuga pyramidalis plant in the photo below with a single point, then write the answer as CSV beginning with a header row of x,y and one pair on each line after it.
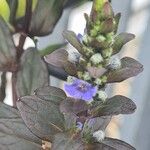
x,y
75,117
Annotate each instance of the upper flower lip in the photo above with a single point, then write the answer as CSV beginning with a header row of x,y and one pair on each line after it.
x,y
80,89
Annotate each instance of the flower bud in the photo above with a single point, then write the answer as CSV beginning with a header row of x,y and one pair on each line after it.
x,y
70,79
115,64
96,58
99,135
86,76
106,53
98,81
102,95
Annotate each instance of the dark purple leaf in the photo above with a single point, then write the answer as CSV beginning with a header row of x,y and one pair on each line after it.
x,y
95,124
117,144
74,106
7,48
59,58
130,67
71,37
32,74
117,19
51,93
107,26
64,142
114,106
96,72
121,40
99,146
13,131
42,117
107,11
45,17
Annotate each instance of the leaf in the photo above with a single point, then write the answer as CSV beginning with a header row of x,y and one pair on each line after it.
x,y
99,146
45,17
57,72
73,109
107,26
74,106
114,106
51,48
107,11
95,124
8,142
7,48
42,117
71,37
130,67
117,19
13,130
59,58
96,72
13,9
64,142
121,40
51,93
117,144
33,73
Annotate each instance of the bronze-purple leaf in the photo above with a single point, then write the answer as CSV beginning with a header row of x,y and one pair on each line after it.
x,y
117,19
51,93
63,142
71,37
59,58
45,17
121,40
7,48
107,26
33,73
13,131
42,117
107,11
75,106
117,144
98,123
129,68
114,106
96,72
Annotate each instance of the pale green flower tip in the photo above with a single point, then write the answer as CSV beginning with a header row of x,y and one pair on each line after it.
x,y
102,95
101,38
99,135
86,76
98,81
115,63
70,79
80,74
104,79
107,52
88,50
86,38
96,59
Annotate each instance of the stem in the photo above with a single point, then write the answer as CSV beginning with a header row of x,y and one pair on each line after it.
x,y
20,50
3,86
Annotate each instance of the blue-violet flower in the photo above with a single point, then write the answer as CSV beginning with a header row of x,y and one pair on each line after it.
x,y
80,89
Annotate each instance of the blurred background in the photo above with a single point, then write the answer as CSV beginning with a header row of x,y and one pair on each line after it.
x,y
135,128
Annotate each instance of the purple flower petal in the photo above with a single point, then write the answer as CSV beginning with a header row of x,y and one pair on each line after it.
x,y
80,89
